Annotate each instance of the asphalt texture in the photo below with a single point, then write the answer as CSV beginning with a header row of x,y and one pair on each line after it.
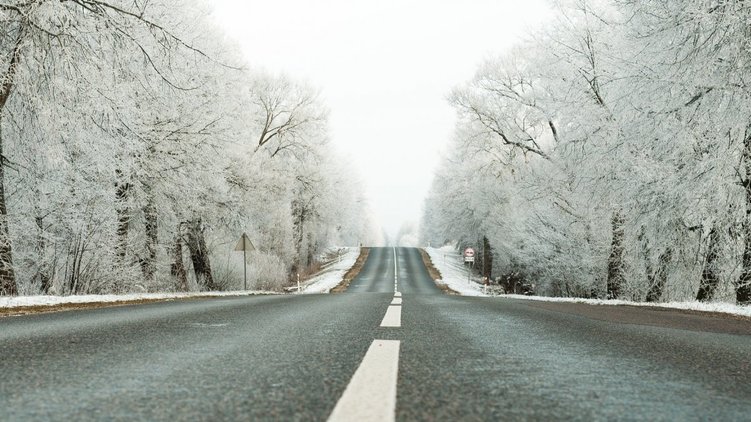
x,y
291,357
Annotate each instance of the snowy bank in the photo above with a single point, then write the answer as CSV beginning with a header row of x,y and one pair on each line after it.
x,y
332,274
9,302
450,263
725,308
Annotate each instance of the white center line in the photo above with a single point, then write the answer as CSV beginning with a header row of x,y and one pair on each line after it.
x,y
398,294
393,317
371,393
396,272
396,301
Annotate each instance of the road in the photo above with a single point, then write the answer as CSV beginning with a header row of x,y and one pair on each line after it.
x,y
413,355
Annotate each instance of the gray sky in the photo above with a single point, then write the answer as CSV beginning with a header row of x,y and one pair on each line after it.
x,y
384,68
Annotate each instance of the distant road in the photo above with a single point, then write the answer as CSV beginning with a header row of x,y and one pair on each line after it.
x,y
416,355
377,275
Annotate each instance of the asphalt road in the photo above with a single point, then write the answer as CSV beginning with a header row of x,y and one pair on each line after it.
x,y
293,357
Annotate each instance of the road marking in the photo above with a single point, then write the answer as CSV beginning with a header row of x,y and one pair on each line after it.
x,y
393,317
371,393
396,272
398,294
396,301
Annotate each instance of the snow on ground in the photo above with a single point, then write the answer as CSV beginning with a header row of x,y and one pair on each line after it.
x,y
726,308
450,263
333,273
25,301
330,276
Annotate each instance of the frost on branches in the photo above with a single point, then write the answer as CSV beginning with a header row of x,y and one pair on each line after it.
x,y
611,156
136,148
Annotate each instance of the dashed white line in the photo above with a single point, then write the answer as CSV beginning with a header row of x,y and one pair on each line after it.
x,y
393,317
371,393
396,301
396,272
398,294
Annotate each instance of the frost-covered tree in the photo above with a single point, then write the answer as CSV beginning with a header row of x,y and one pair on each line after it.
x,y
136,149
608,155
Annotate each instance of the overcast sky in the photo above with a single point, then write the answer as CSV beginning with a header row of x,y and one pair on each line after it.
x,y
384,68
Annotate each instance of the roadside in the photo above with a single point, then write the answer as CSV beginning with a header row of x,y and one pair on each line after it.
x,y
451,272
435,274
452,278
337,272
24,305
353,272
719,309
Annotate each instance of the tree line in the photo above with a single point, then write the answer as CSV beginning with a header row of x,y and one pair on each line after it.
x,y
136,147
609,154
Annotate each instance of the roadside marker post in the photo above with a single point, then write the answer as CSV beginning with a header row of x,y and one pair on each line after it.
x,y
245,245
469,258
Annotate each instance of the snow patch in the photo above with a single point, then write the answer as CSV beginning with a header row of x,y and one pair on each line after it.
x,y
450,263
10,302
332,274
725,308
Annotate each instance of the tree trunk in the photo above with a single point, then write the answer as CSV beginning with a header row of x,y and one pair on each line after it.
x,y
199,254
8,284
298,229
148,264
660,277
709,276
743,284
487,258
45,280
178,268
7,274
311,249
122,190
615,261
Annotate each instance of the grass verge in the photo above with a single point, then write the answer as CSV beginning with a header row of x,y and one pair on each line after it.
x,y
8,311
353,272
43,309
435,274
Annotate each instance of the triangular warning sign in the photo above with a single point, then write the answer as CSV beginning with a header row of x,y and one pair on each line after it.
x,y
245,244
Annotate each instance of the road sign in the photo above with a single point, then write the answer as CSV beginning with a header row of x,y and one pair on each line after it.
x,y
245,244
469,253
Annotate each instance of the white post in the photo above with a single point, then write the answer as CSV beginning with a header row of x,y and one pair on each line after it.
x,y
298,284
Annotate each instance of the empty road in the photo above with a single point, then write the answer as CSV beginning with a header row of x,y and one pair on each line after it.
x,y
392,347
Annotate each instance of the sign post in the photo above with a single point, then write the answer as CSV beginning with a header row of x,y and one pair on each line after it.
x,y
245,245
469,258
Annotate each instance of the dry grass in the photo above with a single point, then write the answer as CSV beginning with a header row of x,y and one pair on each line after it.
x,y
435,274
353,272
43,309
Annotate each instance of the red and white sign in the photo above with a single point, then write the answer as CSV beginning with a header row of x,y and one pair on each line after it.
x,y
469,252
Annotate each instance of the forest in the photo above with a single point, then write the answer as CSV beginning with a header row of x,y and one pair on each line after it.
x,y
137,145
608,155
